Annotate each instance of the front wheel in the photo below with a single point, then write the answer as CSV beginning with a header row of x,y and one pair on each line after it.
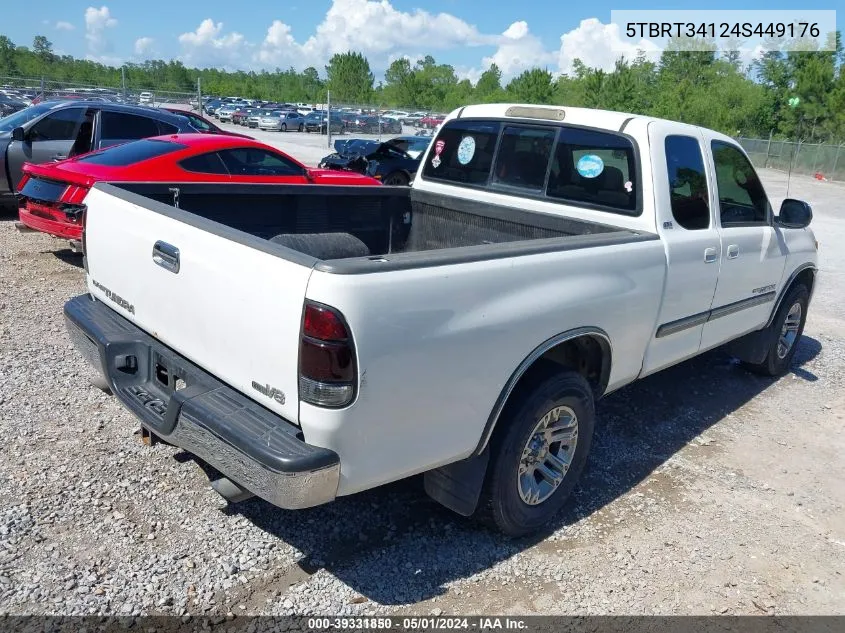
x,y
537,455
784,333
284,127
396,179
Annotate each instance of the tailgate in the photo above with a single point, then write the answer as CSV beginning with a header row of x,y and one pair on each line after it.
x,y
232,309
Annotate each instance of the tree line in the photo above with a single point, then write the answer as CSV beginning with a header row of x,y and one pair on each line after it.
x,y
793,94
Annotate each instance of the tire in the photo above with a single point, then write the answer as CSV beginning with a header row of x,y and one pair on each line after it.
x,y
784,333
301,127
396,179
566,395
284,127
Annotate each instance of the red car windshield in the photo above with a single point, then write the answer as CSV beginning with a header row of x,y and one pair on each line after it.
x,y
131,153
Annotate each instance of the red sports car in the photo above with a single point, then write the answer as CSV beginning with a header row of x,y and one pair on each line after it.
x,y
51,194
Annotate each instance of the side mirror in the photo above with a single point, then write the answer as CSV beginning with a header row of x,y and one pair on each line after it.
x,y
18,134
794,214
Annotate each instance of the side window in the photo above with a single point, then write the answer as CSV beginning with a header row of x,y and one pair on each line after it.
x,y
62,125
250,161
523,157
124,127
462,153
687,182
200,124
596,168
742,199
167,128
209,163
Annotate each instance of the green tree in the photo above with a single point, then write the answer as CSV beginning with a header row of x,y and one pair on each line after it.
x,y
43,47
7,56
489,86
350,78
532,86
400,84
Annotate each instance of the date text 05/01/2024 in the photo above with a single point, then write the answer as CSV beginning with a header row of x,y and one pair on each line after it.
x,y
426,623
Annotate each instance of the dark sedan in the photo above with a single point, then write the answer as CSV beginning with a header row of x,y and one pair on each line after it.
x,y
388,161
316,122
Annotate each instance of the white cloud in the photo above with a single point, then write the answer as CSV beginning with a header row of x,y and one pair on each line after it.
x,y
64,26
144,45
97,21
208,47
598,45
373,27
518,50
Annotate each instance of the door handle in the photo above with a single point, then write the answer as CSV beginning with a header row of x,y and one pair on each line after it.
x,y
733,251
57,157
709,255
167,256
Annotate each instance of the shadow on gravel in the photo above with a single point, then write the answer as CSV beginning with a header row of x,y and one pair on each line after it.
x,y
68,257
394,545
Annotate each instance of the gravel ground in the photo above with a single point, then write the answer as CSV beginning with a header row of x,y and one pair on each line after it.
x,y
709,490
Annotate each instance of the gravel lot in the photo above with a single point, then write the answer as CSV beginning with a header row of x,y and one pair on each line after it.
x,y
709,490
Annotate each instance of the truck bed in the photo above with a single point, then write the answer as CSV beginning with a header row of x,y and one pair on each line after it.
x,y
398,226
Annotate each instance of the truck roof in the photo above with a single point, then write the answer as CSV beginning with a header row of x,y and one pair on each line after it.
x,y
606,119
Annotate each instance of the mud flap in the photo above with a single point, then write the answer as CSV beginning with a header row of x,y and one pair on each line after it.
x,y
458,485
751,348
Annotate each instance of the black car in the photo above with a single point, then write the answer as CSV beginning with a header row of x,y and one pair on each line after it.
x,y
386,161
10,105
54,130
316,122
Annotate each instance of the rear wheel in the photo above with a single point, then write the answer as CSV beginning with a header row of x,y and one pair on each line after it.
x,y
784,332
537,455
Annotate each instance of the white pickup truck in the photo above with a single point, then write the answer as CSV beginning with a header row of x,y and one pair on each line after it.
x,y
311,342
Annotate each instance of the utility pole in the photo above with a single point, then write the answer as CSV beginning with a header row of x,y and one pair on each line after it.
x,y
123,80
329,119
199,95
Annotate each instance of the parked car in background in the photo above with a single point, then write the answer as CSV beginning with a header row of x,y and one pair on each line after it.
x,y
414,146
387,162
252,120
51,195
389,126
414,118
432,120
283,121
225,112
53,131
10,104
317,122
203,125
211,106
240,115
145,97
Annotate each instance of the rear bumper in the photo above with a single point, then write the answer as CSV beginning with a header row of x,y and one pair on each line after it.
x,y
191,409
58,228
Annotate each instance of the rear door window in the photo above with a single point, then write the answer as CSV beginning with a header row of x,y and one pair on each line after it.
x,y
123,127
596,168
687,182
463,152
523,157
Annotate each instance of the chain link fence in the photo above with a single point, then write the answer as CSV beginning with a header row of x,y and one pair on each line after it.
x,y
41,89
820,160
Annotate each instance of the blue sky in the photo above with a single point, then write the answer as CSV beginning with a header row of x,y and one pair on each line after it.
x,y
469,34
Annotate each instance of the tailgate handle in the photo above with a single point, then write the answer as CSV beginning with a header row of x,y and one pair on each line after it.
x,y
167,256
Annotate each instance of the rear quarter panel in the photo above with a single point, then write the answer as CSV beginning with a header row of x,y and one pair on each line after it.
x,y
437,345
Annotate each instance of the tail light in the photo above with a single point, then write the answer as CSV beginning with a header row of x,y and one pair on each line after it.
x,y
327,365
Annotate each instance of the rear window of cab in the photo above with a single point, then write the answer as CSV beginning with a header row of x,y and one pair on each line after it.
x,y
556,163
